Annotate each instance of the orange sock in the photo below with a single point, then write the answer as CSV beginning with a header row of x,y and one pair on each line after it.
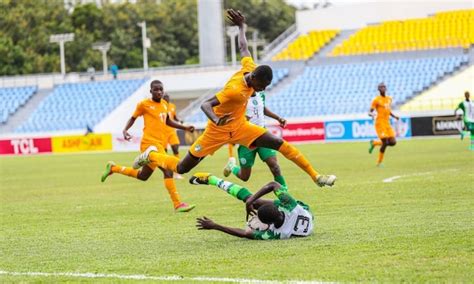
x,y
294,155
164,161
377,143
174,195
379,161
131,172
231,150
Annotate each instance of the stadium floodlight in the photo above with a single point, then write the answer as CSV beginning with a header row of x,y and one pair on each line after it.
x,y
232,32
61,39
146,44
103,47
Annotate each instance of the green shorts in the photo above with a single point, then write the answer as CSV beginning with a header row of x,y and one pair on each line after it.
x,y
247,156
469,125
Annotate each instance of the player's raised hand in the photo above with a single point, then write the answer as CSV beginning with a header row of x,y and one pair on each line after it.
x,y
282,122
126,135
205,223
223,120
190,128
236,17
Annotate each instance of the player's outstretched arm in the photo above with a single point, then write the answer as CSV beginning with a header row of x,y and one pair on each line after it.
x,y
238,19
207,108
129,124
205,223
394,116
276,117
175,124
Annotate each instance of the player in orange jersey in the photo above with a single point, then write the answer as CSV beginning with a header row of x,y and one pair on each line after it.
x,y
172,138
381,104
227,122
156,120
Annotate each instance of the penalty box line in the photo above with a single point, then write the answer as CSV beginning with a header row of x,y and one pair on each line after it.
x,y
150,277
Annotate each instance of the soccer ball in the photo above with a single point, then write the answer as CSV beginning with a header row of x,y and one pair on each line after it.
x,y
255,224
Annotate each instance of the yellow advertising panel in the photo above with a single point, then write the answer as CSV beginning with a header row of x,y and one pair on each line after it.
x,y
80,143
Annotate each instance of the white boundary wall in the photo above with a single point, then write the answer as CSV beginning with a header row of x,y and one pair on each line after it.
x,y
352,15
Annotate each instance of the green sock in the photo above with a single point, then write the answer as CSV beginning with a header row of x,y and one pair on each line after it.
x,y
280,180
472,142
235,190
236,170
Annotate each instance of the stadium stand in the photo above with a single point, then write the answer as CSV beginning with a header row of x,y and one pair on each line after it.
x,y
278,75
78,105
11,99
443,30
444,96
306,45
349,88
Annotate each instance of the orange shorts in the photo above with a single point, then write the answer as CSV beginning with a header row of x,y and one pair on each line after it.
x,y
159,146
384,130
172,138
214,137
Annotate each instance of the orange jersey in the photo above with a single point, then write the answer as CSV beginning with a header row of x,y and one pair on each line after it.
x,y
383,107
233,98
171,115
154,118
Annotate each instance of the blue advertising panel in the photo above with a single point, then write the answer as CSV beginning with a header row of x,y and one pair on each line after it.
x,y
363,129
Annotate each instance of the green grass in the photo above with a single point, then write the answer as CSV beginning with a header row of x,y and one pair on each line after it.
x,y
56,216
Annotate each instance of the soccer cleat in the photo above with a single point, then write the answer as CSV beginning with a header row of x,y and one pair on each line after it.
x,y
184,207
379,165
200,178
228,168
142,159
323,180
108,171
371,147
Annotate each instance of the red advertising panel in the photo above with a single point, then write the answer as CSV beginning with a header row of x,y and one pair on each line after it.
x,y
25,146
300,132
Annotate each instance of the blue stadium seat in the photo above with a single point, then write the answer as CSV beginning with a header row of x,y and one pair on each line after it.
x,y
11,99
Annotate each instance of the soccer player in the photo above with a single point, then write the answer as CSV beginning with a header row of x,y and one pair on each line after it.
x,y
171,137
227,122
156,119
256,112
385,132
467,107
286,217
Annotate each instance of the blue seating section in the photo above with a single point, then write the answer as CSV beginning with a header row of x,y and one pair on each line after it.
x,y
13,98
278,75
350,88
78,105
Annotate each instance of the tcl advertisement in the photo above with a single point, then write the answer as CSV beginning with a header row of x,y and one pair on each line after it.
x,y
300,132
25,146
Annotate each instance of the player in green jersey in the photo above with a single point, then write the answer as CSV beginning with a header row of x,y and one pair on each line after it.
x,y
256,112
467,107
284,217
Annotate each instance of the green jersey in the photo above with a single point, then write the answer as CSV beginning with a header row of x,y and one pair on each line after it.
x,y
255,109
467,108
298,219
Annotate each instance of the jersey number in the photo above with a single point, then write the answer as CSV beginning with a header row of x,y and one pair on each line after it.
x,y
302,221
163,116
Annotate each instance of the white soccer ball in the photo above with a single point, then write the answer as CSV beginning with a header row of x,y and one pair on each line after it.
x,y
255,224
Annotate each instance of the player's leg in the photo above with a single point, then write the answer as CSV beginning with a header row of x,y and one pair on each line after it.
x,y
385,142
470,127
246,160
175,149
235,190
373,144
270,158
142,174
230,148
170,186
290,152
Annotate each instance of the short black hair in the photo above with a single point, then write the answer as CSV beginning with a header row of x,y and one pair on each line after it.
x,y
264,73
155,82
268,213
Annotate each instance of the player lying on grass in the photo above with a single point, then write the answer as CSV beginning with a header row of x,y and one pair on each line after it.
x,y
385,132
282,218
256,112
156,119
227,122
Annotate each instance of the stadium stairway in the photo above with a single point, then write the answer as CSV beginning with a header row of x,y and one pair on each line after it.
x,y
342,36
23,113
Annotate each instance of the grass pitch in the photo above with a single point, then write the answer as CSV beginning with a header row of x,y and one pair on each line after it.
x,y
56,216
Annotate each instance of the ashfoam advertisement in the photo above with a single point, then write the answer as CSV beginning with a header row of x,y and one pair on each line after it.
x,y
363,129
80,143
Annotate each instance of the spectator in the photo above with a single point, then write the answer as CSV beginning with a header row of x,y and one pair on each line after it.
x,y
114,69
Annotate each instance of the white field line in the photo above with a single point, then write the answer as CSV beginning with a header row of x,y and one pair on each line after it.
x,y
392,179
150,277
